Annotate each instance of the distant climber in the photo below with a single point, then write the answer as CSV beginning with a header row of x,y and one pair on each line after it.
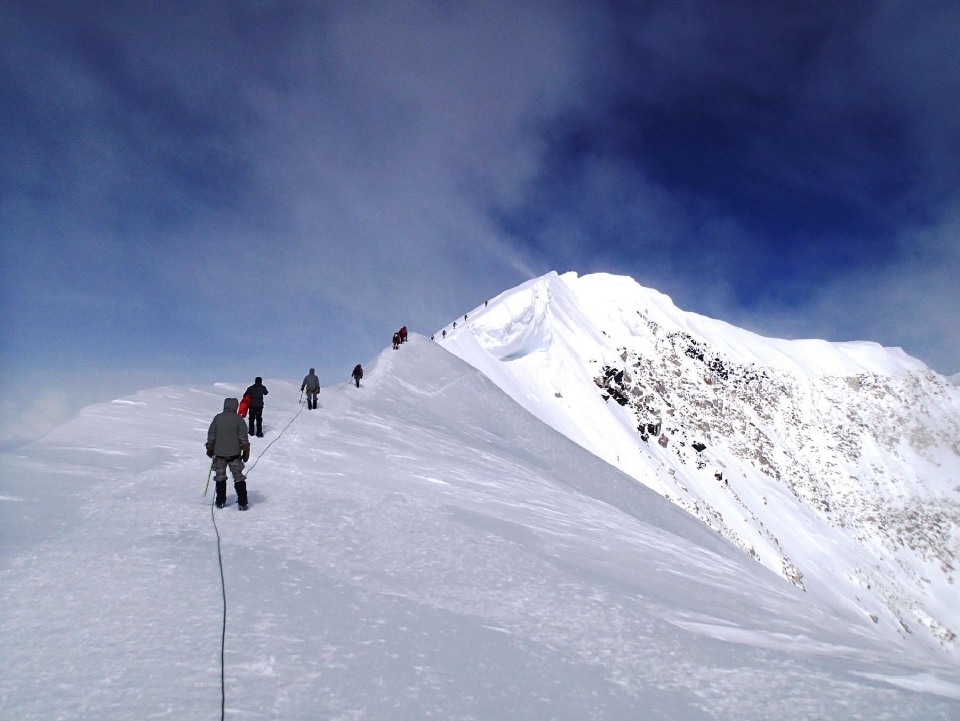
x,y
444,335
464,316
229,445
256,392
312,386
454,325
357,374
403,334
396,341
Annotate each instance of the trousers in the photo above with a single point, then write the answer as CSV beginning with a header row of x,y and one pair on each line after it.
x,y
235,464
256,416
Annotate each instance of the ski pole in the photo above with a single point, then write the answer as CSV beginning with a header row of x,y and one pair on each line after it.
x,y
209,473
301,397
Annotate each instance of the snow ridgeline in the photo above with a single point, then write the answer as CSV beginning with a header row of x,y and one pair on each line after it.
x,y
836,465
419,547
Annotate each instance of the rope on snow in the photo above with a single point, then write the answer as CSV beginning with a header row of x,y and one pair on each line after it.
x,y
223,585
223,632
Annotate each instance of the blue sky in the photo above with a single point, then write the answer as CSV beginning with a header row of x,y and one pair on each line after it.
x,y
192,192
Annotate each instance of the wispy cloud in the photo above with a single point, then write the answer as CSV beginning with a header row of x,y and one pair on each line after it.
x,y
261,184
256,187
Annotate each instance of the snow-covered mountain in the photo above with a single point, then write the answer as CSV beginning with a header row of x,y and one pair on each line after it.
x,y
835,465
420,547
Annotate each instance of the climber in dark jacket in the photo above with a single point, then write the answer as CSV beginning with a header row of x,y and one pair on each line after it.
x,y
357,374
229,446
312,385
256,392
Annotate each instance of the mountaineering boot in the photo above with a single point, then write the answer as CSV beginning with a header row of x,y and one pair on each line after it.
x,y
221,494
241,489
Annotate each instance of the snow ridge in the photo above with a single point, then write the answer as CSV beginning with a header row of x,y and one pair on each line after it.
x,y
836,465
419,547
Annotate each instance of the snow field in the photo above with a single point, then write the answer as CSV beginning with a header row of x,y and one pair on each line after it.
x,y
421,547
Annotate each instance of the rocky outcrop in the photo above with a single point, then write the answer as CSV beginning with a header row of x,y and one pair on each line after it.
x,y
844,447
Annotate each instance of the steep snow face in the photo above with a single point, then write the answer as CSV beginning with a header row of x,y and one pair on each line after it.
x,y
420,547
836,465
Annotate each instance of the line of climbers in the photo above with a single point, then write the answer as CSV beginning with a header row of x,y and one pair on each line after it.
x,y
228,441
228,438
465,316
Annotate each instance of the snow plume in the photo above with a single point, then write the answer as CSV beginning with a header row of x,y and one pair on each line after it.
x,y
835,465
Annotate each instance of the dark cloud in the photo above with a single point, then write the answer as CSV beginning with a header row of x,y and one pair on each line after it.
x,y
738,109
749,157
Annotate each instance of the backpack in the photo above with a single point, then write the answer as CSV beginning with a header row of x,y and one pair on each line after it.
x,y
244,404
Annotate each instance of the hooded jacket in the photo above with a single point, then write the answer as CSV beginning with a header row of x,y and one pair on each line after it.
x,y
228,431
311,383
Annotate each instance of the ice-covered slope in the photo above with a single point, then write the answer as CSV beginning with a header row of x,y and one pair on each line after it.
x,y
836,465
419,548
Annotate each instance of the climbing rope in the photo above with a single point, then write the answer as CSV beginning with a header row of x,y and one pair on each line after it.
x,y
223,631
223,585
275,439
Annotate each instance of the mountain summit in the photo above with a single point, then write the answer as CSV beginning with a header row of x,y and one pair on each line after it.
x,y
424,547
836,465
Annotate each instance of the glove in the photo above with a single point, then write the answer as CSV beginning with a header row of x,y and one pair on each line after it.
x,y
245,453
209,449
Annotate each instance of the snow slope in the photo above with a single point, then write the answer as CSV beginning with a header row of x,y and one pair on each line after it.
x,y
836,465
421,547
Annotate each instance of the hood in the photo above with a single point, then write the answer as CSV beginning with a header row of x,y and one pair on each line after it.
x,y
231,404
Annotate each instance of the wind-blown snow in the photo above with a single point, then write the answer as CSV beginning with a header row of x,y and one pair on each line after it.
x,y
836,465
421,547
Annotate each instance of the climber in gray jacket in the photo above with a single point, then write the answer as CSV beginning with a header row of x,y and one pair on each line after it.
x,y
312,385
229,445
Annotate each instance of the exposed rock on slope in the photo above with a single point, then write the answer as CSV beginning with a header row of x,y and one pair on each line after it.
x,y
835,464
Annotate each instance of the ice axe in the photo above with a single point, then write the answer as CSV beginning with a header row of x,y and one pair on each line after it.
x,y
209,473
